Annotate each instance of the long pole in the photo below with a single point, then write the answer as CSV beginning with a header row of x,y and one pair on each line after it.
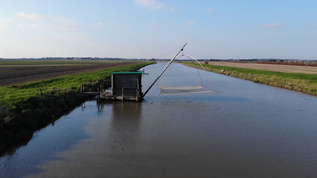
x,y
167,65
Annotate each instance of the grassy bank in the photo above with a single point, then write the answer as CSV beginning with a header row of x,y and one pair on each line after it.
x,y
306,83
23,109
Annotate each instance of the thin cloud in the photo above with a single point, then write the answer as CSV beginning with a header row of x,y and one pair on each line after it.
x,y
190,22
272,26
42,26
33,17
172,9
153,4
40,21
153,24
4,22
211,9
314,26
99,24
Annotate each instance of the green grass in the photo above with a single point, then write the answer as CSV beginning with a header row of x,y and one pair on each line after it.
x,y
306,83
15,94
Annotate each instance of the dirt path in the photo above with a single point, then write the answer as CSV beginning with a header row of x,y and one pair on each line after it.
x,y
269,67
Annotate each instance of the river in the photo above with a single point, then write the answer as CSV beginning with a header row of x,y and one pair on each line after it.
x,y
244,129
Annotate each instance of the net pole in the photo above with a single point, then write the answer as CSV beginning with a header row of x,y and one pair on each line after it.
x,y
167,65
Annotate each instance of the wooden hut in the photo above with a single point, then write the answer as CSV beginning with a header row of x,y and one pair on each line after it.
x,y
125,86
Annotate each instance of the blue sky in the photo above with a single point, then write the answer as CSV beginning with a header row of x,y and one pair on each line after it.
x,y
154,28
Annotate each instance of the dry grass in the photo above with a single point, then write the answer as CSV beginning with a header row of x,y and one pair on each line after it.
x,y
269,67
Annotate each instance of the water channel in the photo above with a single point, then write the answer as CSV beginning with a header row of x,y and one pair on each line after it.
x,y
243,129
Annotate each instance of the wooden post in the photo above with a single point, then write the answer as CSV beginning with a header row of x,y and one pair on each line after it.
x,y
82,87
41,92
122,93
100,89
137,91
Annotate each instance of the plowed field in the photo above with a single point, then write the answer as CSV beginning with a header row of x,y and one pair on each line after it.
x,y
269,67
21,72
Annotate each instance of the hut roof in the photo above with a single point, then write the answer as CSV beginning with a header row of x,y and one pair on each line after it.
x,y
127,73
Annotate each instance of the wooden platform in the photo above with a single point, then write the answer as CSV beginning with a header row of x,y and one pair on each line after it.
x,y
110,96
92,93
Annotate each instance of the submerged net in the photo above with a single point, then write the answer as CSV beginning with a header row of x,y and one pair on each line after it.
x,y
183,90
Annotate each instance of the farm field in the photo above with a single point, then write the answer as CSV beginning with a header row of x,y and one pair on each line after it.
x,y
22,79
21,71
292,77
277,67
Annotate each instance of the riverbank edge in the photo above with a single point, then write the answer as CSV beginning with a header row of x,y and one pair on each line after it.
x,y
260,76
38,112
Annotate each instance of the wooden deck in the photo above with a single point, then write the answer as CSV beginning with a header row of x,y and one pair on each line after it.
x,y
110,96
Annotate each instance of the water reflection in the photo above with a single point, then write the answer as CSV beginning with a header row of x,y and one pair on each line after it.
x,y
45,144
125,122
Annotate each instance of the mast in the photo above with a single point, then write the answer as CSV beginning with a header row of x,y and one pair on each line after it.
x,y
167,65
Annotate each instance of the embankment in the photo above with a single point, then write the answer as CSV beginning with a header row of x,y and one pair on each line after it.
x,y
24,110
306,83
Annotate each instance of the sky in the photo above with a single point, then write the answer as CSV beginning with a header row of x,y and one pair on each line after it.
x,y
213,29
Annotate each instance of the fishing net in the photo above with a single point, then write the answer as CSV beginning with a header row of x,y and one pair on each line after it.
x,y
183,90
166,90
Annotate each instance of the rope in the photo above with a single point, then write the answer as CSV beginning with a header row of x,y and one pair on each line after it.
x,y
212,87
201,81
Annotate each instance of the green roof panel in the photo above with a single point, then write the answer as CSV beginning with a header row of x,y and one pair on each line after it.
x,y
127,73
